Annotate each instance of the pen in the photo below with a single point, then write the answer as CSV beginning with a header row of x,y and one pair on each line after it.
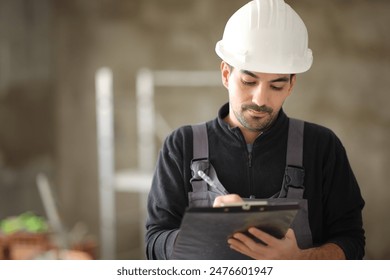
x,y
210,182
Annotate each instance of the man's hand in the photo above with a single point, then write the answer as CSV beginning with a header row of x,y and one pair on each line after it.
x,y
225,199
273,249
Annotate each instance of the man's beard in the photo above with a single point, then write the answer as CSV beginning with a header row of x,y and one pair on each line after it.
x,y
253,123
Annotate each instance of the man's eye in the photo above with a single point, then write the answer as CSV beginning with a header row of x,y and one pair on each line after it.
x,y
276,88
248,83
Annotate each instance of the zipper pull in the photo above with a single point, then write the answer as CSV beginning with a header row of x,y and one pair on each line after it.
x,y
250,159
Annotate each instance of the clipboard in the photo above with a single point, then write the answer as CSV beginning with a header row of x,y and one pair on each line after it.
x,y
204,231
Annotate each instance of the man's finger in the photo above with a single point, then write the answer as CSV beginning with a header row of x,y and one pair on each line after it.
x,y
263,236
225,199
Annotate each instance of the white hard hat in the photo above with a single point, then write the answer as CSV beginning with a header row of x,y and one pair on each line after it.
x,y
266,36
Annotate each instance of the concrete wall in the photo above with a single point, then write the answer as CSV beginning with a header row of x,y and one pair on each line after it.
x,y
27,138
47,103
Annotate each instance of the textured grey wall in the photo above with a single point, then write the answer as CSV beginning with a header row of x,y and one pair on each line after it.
x,y
27,139
62,43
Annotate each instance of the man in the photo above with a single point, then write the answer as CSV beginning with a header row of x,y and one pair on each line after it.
x,y
264,46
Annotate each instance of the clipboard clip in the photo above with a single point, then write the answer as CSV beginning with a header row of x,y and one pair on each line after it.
x,y
246,205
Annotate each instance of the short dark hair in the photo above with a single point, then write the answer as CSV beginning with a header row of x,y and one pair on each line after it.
x,y
232,67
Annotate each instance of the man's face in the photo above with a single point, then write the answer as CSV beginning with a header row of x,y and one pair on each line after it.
x,y
255,98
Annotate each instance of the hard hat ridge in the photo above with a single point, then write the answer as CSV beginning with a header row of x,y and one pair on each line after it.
x,y
265,12
266,36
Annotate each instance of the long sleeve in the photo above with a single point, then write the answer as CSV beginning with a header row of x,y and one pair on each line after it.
x,y
167,198
335,201
343,206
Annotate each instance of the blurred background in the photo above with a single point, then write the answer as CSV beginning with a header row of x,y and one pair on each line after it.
x,y
50,52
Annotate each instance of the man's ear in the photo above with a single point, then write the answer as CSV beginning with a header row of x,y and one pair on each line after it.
x,y
225,73
293,79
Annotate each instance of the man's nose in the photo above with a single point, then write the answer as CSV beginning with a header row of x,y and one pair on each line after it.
x,y
259,95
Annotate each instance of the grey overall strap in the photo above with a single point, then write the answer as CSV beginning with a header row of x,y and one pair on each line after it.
x,y
201,142
294,174
200,157
293,183
203,195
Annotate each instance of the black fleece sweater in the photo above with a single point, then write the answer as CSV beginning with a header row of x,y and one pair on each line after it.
x,y
334,200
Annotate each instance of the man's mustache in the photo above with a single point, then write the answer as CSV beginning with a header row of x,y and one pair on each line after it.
x,y
257,108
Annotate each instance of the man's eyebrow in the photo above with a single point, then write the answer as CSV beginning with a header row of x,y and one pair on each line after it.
x,y
249,73
281,79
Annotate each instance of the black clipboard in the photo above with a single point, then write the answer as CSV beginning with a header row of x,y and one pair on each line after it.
x,y
204,231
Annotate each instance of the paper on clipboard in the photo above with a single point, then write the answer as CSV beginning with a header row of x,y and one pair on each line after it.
x,y
204,231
